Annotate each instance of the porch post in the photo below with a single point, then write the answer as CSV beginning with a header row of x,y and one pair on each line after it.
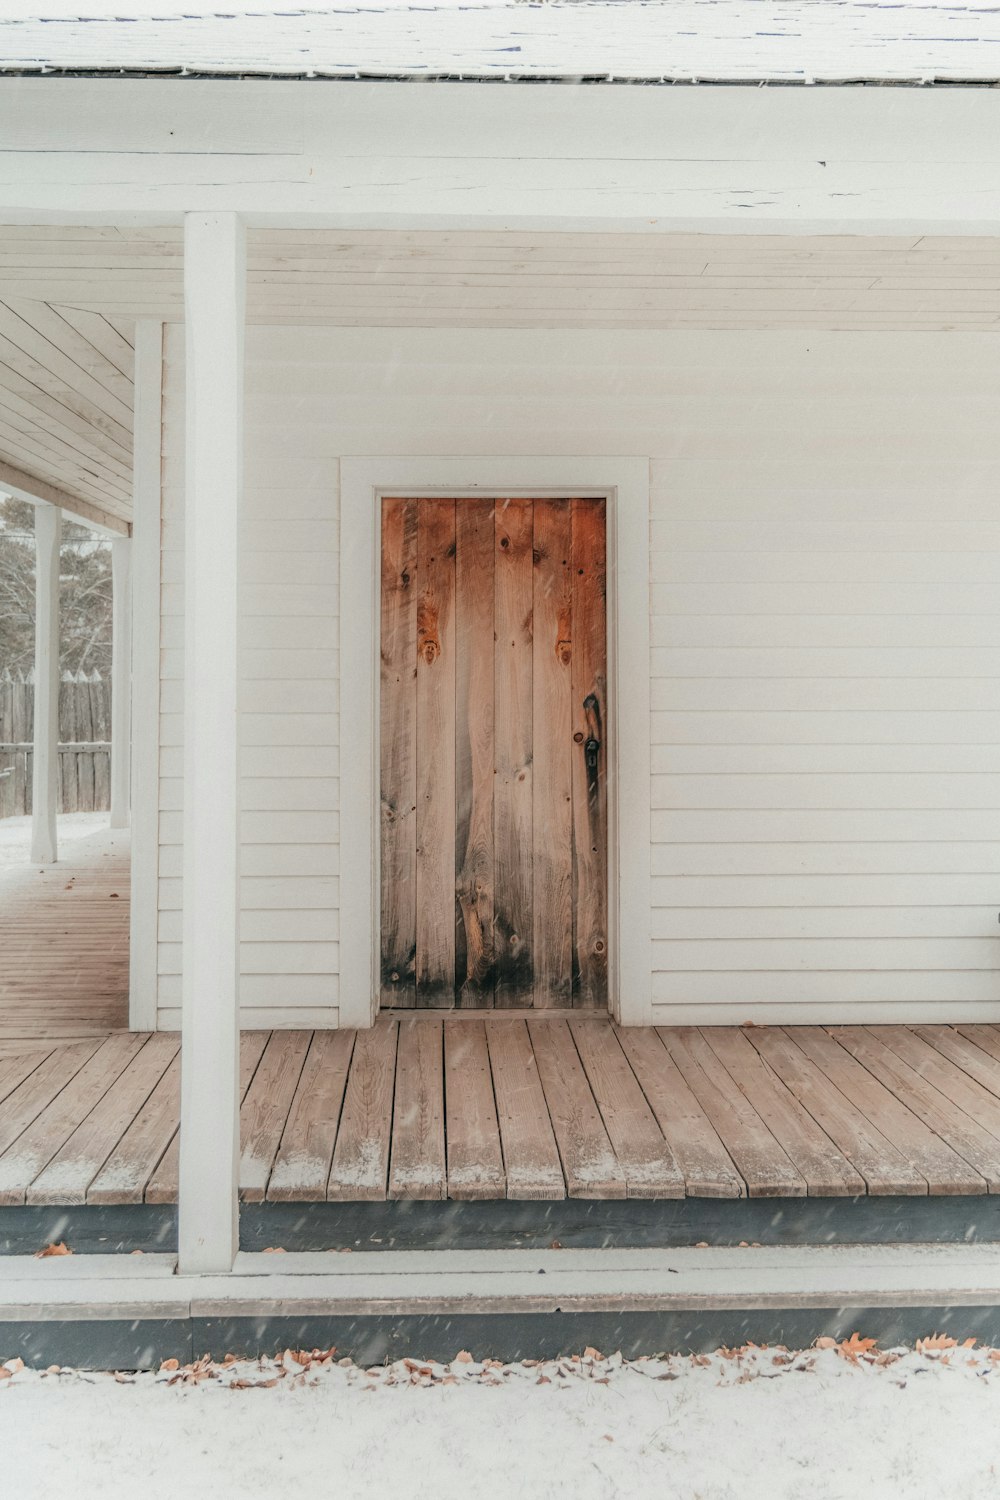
x,y
214,297
121,679
45,757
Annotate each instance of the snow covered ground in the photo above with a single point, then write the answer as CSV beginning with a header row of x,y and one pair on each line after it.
x,y
15,834
825,1424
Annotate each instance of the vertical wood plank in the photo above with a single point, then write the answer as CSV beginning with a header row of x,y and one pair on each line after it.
x,y
552,758
435,859
590,759
398,704
361,1155
475,1158
530,1154
474,613
417,1167
513,790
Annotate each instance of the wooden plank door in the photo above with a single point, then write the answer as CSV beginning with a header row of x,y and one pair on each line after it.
x,y
494,753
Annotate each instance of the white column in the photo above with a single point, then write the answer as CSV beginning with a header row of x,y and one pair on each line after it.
x,y
214,294
145,571
121,680
45,759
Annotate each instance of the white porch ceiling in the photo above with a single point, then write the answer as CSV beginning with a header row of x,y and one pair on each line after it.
x,y
69,297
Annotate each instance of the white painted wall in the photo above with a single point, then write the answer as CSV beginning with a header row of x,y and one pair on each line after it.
x,y
825,563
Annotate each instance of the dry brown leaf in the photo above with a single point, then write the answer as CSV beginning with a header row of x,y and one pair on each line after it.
x,y
463,1357
273,1250
170,1364
591,1353
59,1249
855,1345
935,1342
556,1245
5,1374
826,1342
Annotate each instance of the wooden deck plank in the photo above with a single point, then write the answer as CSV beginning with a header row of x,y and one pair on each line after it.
x,y
980,1051
21,1163
15,1067
762,1163
74,1167
265,1109
162,1185
885,1170
302,1166
942,1169
909,1072
128,1169
472,1130
954,1066
361,1154
417,1161
64,937
531,1157
706,1165
589,1162
637,1140
826,1170
26,1102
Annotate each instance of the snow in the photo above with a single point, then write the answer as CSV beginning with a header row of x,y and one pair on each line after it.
x,y
750,40
15,834
754,1424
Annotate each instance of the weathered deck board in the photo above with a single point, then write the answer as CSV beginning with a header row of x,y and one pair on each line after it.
x,y
162,1185
71,1171
361,1155
530,1154
949,1132
472,1131
417,1164
827,1172
22,1162
64,932
265,1109
762,1162
130,1166
706,1165
543,1108
302,1166
637,1140
943,1169
884,1169
592,1169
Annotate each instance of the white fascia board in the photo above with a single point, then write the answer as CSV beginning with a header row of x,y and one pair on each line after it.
x,y
458,156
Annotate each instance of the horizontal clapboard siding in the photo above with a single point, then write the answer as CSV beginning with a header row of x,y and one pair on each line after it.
x,y
825,665
290,788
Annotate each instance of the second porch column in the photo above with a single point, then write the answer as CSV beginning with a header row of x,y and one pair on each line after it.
x,y
45,753
214,298
121,680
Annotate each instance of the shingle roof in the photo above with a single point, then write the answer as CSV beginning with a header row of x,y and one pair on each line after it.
x,y
775,41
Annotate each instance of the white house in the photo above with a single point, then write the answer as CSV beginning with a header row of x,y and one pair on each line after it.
x,y
568,488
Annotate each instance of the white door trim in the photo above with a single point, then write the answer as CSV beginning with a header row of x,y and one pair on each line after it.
x,y
624,482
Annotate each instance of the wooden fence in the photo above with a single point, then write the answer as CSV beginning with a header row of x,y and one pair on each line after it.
x,y
84,743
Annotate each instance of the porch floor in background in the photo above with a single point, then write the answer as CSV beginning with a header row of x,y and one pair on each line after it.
x,y
64,934
543,1109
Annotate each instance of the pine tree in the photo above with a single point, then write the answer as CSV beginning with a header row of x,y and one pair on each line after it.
x,y
84,594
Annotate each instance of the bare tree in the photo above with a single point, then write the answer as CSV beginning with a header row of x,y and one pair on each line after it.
x,y
85,594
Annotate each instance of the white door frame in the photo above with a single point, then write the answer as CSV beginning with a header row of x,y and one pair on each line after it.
x,y
624,483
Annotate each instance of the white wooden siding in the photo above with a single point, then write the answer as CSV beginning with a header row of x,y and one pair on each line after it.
x,y
825,665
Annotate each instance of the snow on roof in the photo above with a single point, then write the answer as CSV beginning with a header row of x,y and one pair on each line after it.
x,y
774,41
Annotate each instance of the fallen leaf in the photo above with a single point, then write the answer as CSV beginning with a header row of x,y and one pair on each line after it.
x,y
592,1353
170,1364
59,1249
273,1250
935,1342
826,1342
556,1245
855,1345
5,1374
463,1357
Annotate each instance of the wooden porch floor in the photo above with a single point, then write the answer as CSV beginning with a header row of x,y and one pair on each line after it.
x,y
64,943
508,1108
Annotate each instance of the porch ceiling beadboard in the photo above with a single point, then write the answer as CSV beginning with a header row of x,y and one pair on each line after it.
x,y
791,41
825,657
